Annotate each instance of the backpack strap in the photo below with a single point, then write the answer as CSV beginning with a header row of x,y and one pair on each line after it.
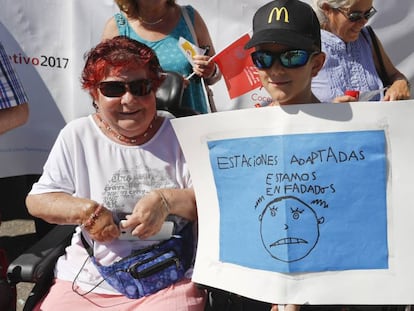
x,y
87,246
207,90
190,25
381,70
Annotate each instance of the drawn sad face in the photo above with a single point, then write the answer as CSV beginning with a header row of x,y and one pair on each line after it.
x,y
289,228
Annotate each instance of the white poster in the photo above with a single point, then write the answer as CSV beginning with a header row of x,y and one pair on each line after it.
x,y
305,204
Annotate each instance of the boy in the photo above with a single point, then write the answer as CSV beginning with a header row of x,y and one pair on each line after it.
x,y
287,40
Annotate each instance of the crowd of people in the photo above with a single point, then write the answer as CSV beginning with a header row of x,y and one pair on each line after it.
x,y
122,168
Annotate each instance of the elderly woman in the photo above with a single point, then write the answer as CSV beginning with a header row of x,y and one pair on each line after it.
x,y
352,63
121,164
160,24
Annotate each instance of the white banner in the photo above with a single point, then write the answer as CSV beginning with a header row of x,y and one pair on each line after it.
x,y
46,41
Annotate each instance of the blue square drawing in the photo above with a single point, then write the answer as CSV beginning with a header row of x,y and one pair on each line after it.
x,y
303,202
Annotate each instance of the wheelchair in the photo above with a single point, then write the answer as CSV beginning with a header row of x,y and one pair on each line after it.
x,y
7,293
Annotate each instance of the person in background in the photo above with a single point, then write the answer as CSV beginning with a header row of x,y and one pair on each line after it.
x,y
121,167
351,61
14,107
159,24
14,112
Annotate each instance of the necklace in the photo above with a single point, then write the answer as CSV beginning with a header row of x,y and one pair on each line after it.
x,y
143,21
125,139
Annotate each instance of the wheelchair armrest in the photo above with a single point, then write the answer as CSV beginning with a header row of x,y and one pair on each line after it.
x,y
39,260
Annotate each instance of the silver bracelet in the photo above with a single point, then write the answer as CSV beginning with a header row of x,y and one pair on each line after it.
x,y
164,201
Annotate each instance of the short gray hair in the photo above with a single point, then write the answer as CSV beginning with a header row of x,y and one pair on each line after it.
x,y
335,4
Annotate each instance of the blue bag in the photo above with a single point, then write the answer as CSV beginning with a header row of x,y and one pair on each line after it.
x,y
151,269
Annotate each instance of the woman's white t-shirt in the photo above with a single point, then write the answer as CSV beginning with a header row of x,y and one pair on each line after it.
x,y
86,163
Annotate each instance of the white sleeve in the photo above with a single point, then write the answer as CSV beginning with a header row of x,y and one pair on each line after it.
x,y
57,171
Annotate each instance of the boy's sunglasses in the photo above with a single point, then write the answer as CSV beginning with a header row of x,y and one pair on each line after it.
x,y
140,87
288,59
357,15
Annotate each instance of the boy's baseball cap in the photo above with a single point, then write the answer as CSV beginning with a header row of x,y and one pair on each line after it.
x,y
287,22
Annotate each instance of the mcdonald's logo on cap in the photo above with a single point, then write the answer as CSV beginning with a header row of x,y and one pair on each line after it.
x,y
272,24
278,12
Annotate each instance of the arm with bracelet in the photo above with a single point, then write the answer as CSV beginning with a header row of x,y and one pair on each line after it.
x,y
90,215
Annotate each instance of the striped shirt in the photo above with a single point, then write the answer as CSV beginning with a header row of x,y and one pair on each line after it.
x,y
11,89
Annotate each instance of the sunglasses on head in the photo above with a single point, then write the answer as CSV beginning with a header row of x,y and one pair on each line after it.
x,y
288,59
140,87
357,15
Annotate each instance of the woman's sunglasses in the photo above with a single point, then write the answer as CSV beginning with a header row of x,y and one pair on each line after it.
x,y
288,59
357,15
140,87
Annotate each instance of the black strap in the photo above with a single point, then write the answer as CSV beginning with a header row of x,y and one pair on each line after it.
x,y
222,300
382,72
85,243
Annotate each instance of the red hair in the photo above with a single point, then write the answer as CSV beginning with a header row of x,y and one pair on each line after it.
x,y
113,55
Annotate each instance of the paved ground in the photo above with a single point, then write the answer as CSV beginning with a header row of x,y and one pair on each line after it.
x,y
16,236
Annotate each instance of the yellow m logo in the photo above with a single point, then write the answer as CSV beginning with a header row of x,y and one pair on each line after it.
x,y
278,12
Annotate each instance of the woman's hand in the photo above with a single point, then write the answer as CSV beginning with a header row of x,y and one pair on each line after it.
x,y
203,67
399,90
148,215
99,223
344,99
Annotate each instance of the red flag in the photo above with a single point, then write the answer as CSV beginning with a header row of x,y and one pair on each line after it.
x,y
237,68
